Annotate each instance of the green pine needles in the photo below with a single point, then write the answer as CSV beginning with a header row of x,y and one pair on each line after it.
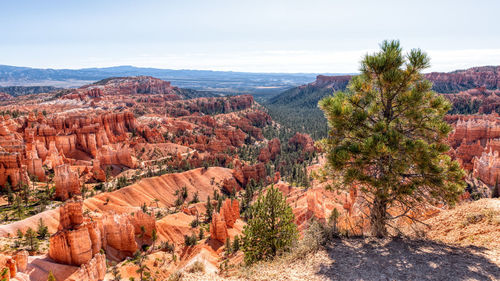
x,y
388,136
271,230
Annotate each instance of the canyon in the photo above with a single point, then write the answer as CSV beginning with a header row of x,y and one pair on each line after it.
x,y
132,169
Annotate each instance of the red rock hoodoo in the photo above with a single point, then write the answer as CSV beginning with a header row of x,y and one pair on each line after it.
x,y
229,213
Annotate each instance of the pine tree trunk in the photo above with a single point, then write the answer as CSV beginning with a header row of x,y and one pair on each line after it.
x,y
378,217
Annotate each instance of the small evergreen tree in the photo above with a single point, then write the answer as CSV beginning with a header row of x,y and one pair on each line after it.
x,y
195,199
210,209
154,237
43,230
388,136
271,229
201,234
30,240
10,194
227,247
236,244
190,240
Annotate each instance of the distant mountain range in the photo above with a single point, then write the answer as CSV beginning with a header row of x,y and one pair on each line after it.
x,y
217,81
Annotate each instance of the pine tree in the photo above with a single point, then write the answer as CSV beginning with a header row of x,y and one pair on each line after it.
x,y
10,194
210,209
271,229
236,244
201,234
30,240
154,237
227,247
43,230
388,136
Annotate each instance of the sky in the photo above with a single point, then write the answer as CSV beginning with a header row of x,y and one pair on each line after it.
x,y
312,36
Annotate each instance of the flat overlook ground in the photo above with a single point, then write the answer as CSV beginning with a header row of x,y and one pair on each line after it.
x,y
456,247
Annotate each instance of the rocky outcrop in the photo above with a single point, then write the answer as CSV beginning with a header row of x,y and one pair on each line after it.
x,y
12,171
270,151
9,263
119,234
229,213
94,270
218,228
316,206
477,189
302,142
71,134
244,173
116,154
70,215
487,168
72,243
142,220
84,94
79,239
21,259
230,185
67,182
71,246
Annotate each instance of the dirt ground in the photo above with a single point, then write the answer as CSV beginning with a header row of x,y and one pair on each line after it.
x,y
379,259
401,259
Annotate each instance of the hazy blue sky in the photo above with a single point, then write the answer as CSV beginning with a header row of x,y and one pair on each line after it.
x,y
258,36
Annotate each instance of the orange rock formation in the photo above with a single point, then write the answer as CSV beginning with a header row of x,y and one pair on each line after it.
x,y
229,213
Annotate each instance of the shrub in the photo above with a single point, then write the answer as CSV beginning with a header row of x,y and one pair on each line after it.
x,y
314,237
177,276
167,247
190,240
197,266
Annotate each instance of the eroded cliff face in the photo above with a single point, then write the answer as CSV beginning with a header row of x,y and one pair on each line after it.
x,y
475,142
487,169
67,182
31,145
460,80
443,82
12,169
